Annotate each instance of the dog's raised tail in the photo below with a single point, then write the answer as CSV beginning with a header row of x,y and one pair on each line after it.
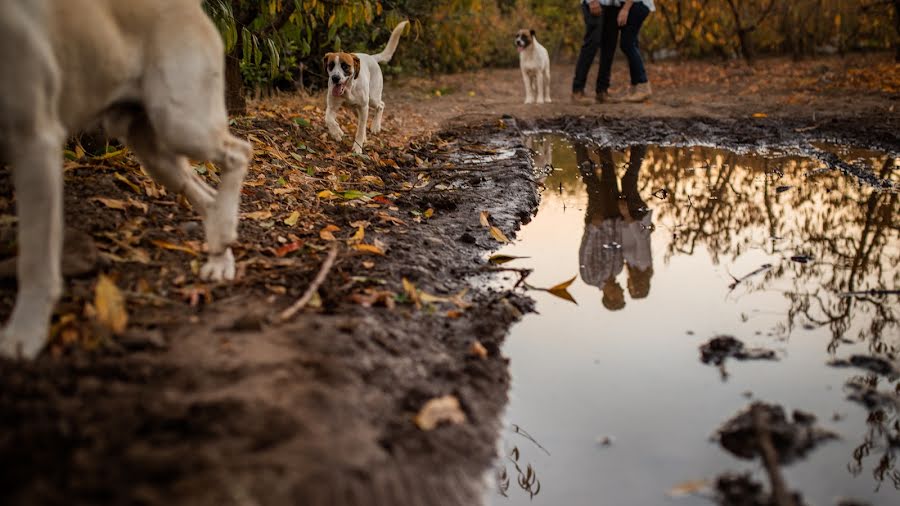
x,y
388,53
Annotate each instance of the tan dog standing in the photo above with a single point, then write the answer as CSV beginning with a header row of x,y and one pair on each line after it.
x,y
356,79
152,71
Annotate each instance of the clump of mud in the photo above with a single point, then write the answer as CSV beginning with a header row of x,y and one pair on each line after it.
x,y
791,439
718,349
741,490
877,365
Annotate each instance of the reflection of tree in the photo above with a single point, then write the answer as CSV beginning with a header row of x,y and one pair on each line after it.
x,y
729,204
882,438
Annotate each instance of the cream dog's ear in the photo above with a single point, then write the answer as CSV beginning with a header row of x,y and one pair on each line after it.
x,y
328,56
357,65
532,34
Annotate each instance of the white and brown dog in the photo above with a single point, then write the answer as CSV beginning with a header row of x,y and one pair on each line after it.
x,y
152,71
534,61
356,80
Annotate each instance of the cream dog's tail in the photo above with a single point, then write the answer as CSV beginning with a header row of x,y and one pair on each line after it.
x,y
388,53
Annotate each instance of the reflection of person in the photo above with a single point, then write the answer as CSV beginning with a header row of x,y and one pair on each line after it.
x,y
616,228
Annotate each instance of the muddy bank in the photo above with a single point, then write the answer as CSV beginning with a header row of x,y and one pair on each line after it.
x,y
221,407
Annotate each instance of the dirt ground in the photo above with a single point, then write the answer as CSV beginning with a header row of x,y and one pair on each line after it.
x,y
208,399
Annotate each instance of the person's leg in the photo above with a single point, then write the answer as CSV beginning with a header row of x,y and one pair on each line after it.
x,y
609,39
588,49
631,48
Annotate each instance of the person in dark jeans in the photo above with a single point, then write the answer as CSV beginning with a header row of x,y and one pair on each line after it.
x,y
626,17
593,40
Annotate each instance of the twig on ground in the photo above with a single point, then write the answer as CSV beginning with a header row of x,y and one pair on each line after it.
x,y
289,313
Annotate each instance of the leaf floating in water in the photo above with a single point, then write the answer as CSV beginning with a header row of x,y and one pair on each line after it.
x,y
782,189
440,410
562,290
661,194
502,259
690,487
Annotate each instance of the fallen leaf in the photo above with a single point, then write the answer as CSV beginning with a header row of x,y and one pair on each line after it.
x,y
428,213
562,290
375,180
358,236
174,247
134,187
689,487
327,232
440,410
502,259
497,234
485,219
369,248
760,115
292,219
412,292
258,215
110,305
288,248
326,194
121,205
478,350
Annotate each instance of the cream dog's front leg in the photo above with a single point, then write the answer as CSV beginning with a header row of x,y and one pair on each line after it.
x,y
539,77
334,129
529,96
360,141
37,176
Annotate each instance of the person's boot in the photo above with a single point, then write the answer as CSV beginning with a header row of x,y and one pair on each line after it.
x,y
640,93
578,97
602,97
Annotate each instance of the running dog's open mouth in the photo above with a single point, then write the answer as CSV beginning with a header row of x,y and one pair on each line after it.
x,y
338,90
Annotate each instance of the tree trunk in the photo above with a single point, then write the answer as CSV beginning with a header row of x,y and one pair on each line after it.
x,y
234,86
745,38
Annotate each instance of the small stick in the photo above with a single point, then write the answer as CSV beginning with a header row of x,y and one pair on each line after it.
x,y
780,493
289,313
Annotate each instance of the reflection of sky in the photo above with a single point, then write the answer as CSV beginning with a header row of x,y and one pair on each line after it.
x,y
582,372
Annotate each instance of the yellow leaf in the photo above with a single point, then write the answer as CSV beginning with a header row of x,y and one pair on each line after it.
x,y
485,219
428,213
375,180
760,115
292,219
114,154
326,194
358,236
440,410
412,292
120,177
110,305
497,234
502,259
174,247
369,248
562,290
258,215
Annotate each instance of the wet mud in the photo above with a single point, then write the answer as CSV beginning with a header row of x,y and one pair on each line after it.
x,y
214,404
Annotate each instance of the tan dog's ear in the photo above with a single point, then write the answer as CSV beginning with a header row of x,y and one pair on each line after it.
x,y
325,60
357,65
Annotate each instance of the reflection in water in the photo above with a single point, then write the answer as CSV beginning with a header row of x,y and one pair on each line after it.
x,y
678,245
617,226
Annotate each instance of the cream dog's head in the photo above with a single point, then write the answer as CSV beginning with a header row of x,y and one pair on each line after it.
x,y
341,69
524,38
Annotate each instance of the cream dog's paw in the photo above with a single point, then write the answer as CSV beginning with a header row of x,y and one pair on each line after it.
x,y
336,133
23,343
357,148
219,267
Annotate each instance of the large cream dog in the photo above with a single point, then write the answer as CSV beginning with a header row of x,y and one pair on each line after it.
x,y
534,62
152,71
356,79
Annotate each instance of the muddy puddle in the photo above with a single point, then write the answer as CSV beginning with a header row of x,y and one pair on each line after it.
x,y
670,248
